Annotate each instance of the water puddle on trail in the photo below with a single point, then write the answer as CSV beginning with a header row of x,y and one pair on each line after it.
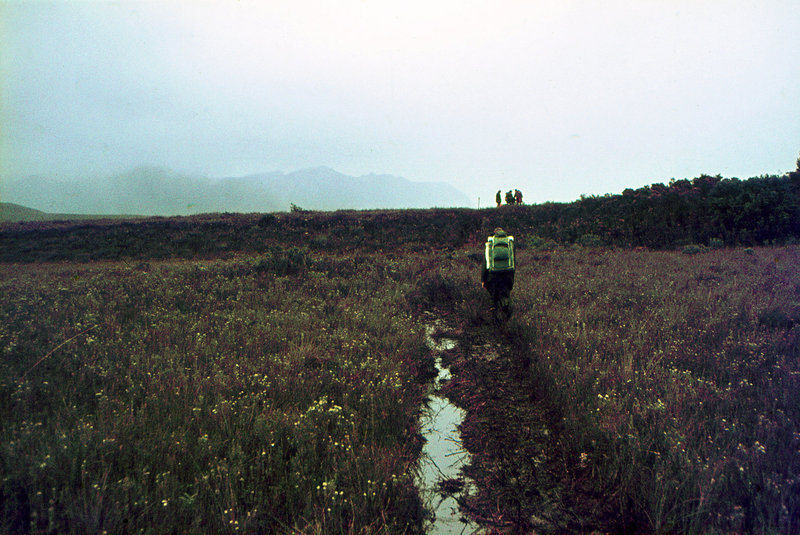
x,y
440,480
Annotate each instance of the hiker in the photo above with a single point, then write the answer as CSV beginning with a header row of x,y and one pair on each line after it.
x,y
517,196
509,197
497,275
497,199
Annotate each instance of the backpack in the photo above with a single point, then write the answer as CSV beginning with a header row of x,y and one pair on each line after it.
x,y
500,254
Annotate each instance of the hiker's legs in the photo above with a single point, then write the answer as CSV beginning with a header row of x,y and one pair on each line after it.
x,y
496,290
505,283
491,287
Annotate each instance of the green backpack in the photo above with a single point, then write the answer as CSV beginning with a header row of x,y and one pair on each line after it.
x,y
500,254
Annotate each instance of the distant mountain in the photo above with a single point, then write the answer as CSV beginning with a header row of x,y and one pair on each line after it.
x,y
10,212
156,191
15,212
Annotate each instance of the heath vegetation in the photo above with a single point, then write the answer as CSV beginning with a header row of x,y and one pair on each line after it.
x,y
265,373
637,391
277,393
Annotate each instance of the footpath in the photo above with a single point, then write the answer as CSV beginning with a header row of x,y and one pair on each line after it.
x,y
515,480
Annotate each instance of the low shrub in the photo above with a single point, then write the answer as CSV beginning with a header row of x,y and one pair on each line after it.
x,y
590,240
282,262
693,249
716,243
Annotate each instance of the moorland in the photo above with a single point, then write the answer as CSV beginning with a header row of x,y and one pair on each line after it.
x,y
265,373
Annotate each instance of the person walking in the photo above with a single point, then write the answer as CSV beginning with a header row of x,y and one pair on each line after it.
x,y
517,196
497,274
498,199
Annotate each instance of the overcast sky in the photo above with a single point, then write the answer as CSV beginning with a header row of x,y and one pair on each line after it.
x,y
557,98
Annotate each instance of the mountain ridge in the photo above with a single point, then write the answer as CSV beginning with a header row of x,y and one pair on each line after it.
x,y
155,191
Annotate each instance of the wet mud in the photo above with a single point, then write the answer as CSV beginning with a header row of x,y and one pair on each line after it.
x,y
521,481
441,479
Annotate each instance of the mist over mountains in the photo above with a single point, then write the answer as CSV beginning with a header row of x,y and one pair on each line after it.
x,y
155,191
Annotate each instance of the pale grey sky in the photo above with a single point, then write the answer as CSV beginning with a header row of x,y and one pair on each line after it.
x,y
557,98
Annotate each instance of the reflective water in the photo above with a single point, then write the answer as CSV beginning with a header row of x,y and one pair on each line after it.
x,y
443,456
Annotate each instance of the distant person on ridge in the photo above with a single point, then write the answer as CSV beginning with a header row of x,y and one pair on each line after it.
x,y
517,196
498,199
509,197
497,275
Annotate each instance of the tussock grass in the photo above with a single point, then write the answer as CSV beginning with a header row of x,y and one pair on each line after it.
x,y
668,384
242,395
265,386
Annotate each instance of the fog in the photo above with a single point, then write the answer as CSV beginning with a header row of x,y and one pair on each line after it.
x,y
555,98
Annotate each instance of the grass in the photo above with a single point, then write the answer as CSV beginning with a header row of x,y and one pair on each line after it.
x,y
265,374
210,396
642,392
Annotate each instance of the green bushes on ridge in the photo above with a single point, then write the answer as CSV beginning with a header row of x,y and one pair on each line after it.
x,y
705,210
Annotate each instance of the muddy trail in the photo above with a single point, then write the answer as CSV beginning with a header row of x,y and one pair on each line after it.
x,y
441,472
517,477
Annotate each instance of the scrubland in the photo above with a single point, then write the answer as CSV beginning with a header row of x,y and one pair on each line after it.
x,y
638,391
255,394
278,388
